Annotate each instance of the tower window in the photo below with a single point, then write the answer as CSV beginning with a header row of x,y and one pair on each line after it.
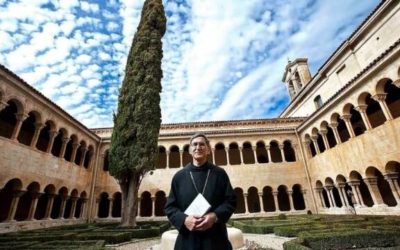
x,y
318,101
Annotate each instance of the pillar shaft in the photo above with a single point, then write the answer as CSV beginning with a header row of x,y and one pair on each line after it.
x,y
38,128
275,193
14,205
260,196
255,154
380,98
49,206
246,203
290,194
110,207
282,153
20,119
347,121
32,208
269,153
52,135
334,126
241,155
372,183
325,138
363,111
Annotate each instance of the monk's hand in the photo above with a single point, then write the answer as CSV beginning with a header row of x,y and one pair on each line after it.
x,y
192,221
208,221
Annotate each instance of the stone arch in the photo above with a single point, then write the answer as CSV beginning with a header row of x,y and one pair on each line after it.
x,y
44,135
174,157
253,201
383,191
392,97
68,211
186,158
333,193
116,205
268,199
234,154
80,205
374,112
248,154
392,167
43,202
160,203
59,203
88,157
261,152
240,206
381,85
145,204
330,136
359,183
8,119
316,135
283,198
80,152
26,201
341,127
288,151
162,157
345,189
71,148
298,198
104,205
275,151
220,154
323,194
7,193
307,139
58,142
28,127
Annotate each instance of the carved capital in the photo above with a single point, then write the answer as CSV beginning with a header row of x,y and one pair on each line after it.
x,y
379,97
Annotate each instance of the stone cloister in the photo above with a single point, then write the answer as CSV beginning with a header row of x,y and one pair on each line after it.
x,y
334,149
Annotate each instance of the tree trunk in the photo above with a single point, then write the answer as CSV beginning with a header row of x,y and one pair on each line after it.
x,y
129,202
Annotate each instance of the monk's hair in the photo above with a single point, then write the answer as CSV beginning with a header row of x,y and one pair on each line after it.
x,y
200,135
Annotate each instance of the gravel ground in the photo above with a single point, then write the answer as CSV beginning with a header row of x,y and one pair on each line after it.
x,y
270,241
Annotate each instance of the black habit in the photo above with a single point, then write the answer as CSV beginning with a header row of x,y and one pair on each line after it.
x,y
219,194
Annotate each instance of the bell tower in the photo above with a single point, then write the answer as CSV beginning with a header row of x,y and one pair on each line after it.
x,y
297,76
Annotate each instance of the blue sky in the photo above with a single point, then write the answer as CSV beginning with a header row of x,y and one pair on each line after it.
x,y
223,60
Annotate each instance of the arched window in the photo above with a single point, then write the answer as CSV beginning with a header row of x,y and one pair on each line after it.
x,y
318,102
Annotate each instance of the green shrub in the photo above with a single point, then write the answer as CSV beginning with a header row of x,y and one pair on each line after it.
x,y
282,216
296,244
110,238
17,245
68,244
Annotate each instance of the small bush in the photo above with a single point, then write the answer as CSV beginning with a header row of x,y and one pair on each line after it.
x,y
282,216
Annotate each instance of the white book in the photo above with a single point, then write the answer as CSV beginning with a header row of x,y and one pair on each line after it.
x,y
198,207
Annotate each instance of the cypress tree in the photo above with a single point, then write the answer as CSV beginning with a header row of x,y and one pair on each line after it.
x,y
133,150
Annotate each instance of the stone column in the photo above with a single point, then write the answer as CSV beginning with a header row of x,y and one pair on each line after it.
x,y
323,133
321,197
372,183
330,195
62,207
181,157
356,192
110,207
213,155
167,163
380,98
246,206
281,146
83,156
334,126
65,140
307,149
75,147
32,208
3,105
296,150
260,195
241,155
20,119
363,111
49,206
14,204
314,140
38,128
275,193
346,119
228,162
153,206
342,194
290,194
254,148
391,178
73,207
52,135
83,208
304,193
96,208
139,201
269,153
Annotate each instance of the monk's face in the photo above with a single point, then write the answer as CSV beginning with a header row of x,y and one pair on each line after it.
x,y
199,149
